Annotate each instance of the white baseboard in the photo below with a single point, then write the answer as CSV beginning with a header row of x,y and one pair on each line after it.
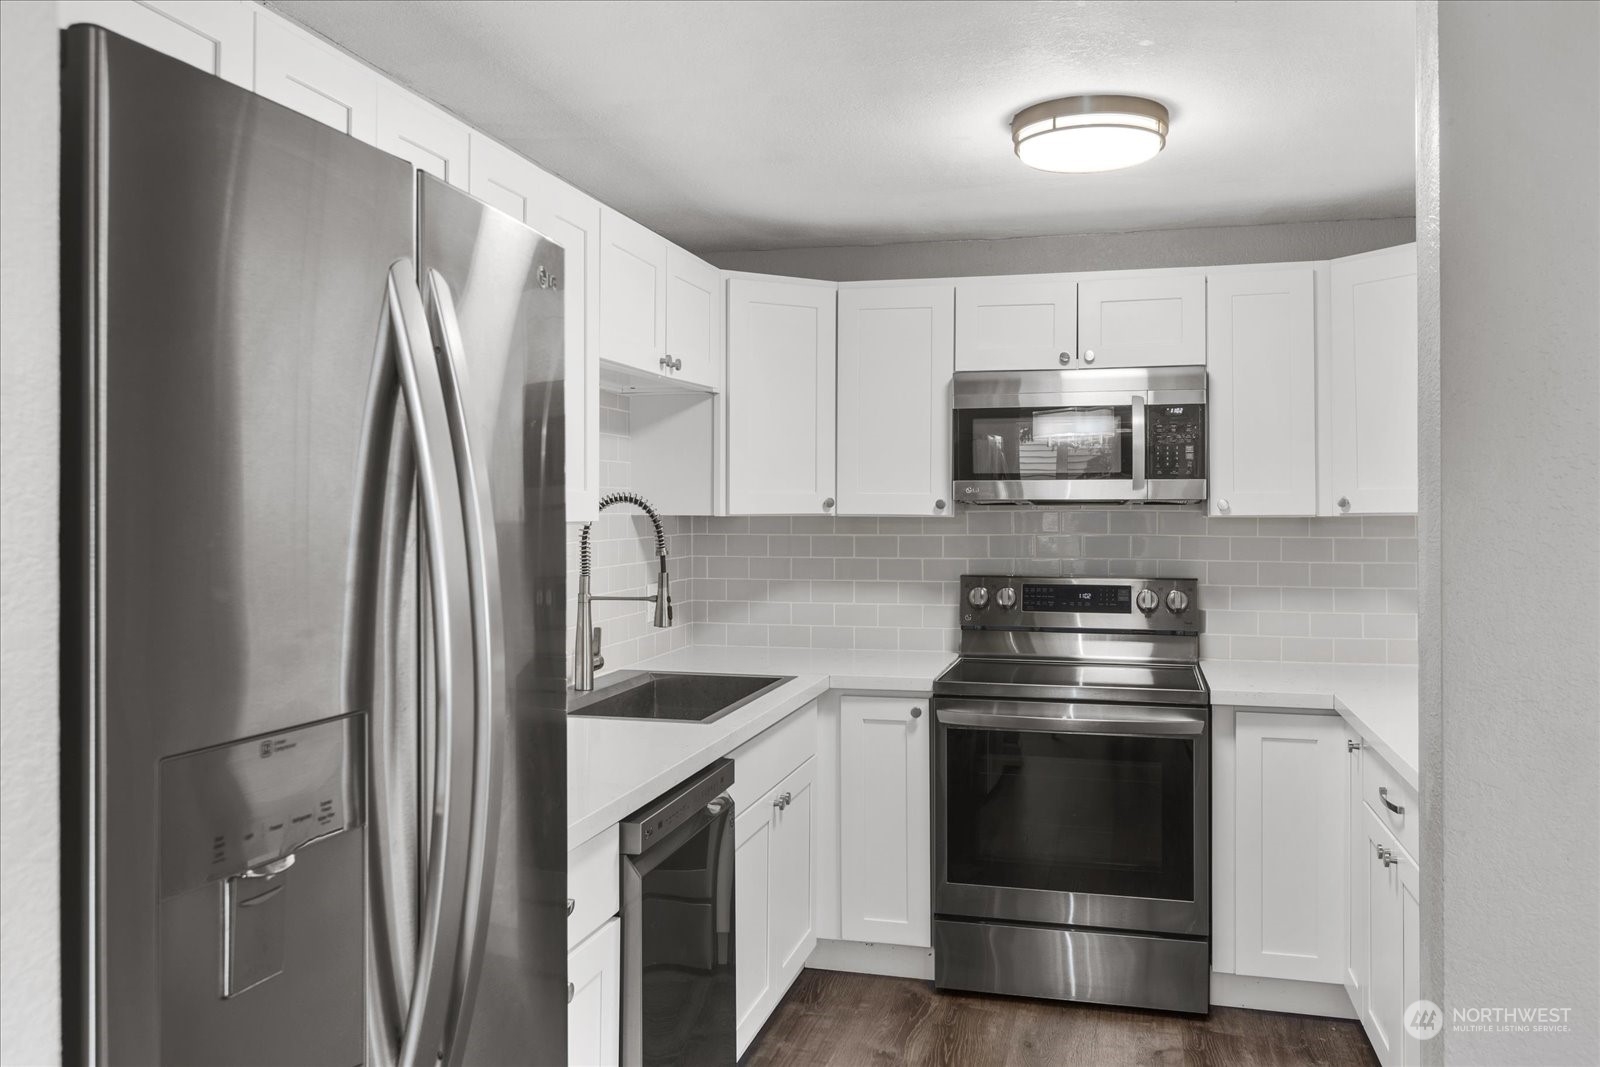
x,y
893,961
1281,994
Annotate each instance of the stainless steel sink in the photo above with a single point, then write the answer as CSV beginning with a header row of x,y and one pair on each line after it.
x,y
670,696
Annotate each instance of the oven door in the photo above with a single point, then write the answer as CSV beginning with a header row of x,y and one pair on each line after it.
x,y
1074,814
1090,448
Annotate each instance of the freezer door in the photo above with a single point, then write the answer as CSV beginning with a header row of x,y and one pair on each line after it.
x,y
225,264
493,288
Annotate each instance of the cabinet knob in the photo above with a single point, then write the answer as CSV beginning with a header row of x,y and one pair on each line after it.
x,y
572,991
1223,505
827,505
1344,503
938,505
783,800
572,906
1088,355
1064,358
1352,746
916,713
1386,857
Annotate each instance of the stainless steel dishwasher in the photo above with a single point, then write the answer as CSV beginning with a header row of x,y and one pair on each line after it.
x,y
678,992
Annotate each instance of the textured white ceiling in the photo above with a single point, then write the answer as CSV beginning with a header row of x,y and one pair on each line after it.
x,y
776,124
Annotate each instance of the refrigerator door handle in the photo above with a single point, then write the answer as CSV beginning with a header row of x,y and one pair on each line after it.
x,y
402,361
483,567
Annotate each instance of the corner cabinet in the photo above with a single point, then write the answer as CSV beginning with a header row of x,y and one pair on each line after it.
x,y
896,358
885,865
1261,352
503,179
781,395
1370,385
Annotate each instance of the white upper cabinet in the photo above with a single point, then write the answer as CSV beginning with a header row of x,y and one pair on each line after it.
x,y
1142,320
884,860
895,363
1371,384
694,306
413,129
633,293
1262,357
1289,913
781,344
505,180
217,37
307,74
1006,324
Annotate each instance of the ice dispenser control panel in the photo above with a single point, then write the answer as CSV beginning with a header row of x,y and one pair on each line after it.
x,y
228,809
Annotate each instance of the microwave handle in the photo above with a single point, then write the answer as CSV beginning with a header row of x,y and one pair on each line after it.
x,y
1138,446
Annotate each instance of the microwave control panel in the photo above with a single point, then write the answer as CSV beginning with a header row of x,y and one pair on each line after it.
x,y
1175,441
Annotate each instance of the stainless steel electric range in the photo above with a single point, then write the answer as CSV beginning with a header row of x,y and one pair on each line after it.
x,y
1072,794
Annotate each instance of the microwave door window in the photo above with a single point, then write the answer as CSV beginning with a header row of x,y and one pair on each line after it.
x,y
1046,444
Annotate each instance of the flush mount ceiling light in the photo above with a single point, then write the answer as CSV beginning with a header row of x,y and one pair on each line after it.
x,y
1081,134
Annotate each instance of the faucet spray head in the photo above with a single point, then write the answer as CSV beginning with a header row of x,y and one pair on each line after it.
x,y
663,595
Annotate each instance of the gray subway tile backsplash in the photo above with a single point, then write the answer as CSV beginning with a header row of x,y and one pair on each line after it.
x,y
1295,589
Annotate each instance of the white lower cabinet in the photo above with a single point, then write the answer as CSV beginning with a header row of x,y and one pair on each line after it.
x,y
885,871
1355,963
594,998
1386,933
774,859
1290,817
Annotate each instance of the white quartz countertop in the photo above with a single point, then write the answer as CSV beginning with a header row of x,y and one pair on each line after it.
x,y
615,766
1379,701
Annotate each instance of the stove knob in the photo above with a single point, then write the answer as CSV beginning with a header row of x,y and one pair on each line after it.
x,y
1005,596
1147,600
1178,601
978,597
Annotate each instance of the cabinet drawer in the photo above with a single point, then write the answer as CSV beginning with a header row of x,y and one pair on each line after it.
x,y
592,884
1377,775
760,764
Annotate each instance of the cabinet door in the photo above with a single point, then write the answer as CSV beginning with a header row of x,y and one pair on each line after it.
x,y
1262,356
505,180
1007,325
1142,320
1289,897
633,293
413,129
1411,953
1355,968
1384,1013
752,917
780,397
217,37
314,78
594,999
896,356
792,890
885,872
694,305
1372,384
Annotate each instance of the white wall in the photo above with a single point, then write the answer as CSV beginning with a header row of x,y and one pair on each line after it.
x,y
30,1012
1512,734
1201,247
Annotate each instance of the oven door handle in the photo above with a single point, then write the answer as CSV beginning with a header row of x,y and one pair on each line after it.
x,y
1075,719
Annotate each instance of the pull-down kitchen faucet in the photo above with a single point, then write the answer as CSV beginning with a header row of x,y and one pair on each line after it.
x,y
586,658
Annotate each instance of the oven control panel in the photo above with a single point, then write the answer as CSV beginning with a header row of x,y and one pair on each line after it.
x,y
1175,441
1011,602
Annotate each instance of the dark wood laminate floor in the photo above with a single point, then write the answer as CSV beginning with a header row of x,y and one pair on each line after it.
x,y
849,1020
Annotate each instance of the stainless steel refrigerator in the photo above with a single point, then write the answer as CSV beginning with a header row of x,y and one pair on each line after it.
x,y
314,591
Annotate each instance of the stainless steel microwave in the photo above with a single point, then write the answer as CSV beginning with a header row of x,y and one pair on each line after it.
x,y
1126,435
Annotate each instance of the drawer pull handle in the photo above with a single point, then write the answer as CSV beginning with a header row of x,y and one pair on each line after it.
x,y
1383,795
572,905
572,991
